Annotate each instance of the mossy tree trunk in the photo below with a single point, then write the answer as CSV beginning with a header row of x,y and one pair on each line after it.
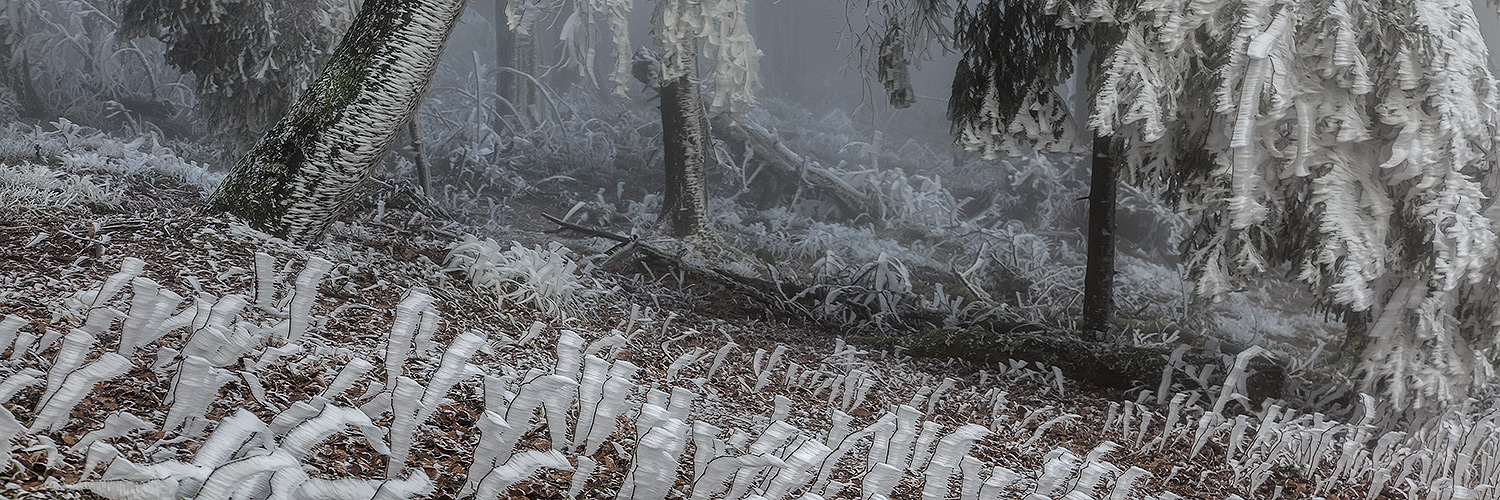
x,y
299,177
687,149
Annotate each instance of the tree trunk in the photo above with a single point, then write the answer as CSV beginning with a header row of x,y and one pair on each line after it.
x,y
1099,274
15,77
424,170
686,145
298,177
517,52
505,57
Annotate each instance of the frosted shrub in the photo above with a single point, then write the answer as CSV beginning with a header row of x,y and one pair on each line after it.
x,y
36,187
546,278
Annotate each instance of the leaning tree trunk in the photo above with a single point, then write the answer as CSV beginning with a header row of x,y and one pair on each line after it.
x,y
299,177
1099,271
685,137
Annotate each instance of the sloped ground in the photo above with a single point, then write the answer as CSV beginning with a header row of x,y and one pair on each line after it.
x,y
781,395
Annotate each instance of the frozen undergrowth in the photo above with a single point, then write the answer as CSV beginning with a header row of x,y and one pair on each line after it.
x,y
82,149
38,188
606,396
548,278
807,399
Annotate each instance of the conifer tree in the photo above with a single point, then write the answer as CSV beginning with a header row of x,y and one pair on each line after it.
x,y
1350,141
250,58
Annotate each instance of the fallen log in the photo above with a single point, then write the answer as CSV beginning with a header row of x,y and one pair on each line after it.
x,y
790,166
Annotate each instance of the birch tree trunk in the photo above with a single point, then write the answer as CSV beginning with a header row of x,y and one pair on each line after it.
x,y
686,144
298,178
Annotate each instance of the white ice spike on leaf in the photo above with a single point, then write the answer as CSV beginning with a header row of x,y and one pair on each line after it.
x,y
880,480
130,267
294,415
898,449
923,450
75,348
333,419
707,446
231,477
265,282
721,468
426,327
773,438
406,402
98,321
1123,486
227,439
517,469
350,374
190,315
657,447
950,451
335,489
581,476
115,425
285,483
54,411
399,342
416,485
1000,479
719,359
590,391
271,355
18,380
450,370
153,489
971,468
305,295
1234,381
22,346
26,377
8,328
194,387
496,442
611,404
569,354
1059,466
9,429
223,313
99,452
846,443
532,394
798,469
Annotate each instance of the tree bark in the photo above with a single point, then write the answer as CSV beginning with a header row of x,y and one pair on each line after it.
x,y
686,145
505,57
424,170
15,75
298,178
1099,271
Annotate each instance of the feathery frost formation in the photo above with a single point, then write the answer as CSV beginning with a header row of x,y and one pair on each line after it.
x,y
591,401
1352,140
723,27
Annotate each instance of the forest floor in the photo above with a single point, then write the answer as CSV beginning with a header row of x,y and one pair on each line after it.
x,y
50,254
